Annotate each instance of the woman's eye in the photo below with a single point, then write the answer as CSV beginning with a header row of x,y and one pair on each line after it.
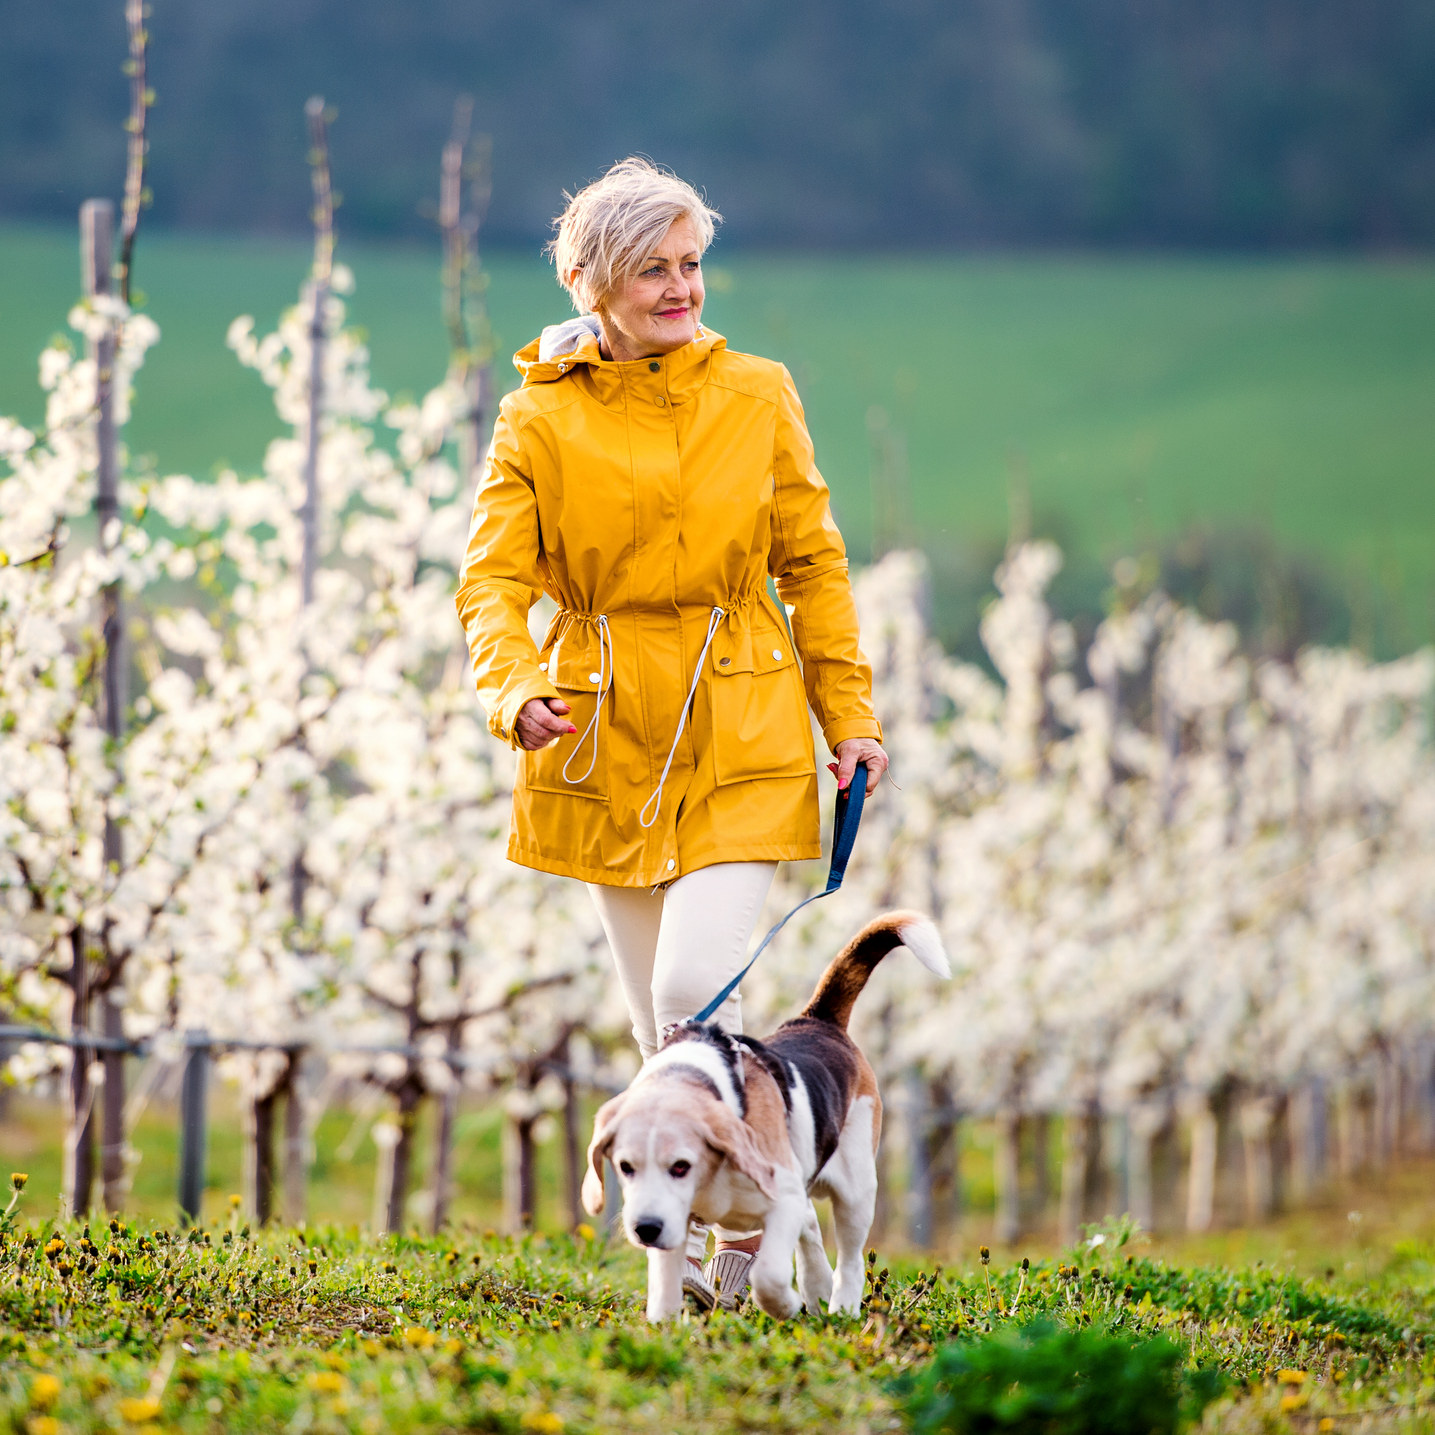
x,y
626,1167
679,1169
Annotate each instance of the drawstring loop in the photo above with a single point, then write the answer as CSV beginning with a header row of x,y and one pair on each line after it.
x,y
656,800
605,681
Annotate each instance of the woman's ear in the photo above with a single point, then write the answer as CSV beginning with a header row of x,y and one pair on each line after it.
x,y
603,1132
734,1138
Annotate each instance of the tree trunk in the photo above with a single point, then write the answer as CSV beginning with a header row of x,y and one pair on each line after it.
x,y
1039,1125
443,1152
918,1120
1145,1123
573,1149
386,1136
1078,1169
944,1164
1385,1114
112,1110
1007,1172
261,1156
1257,1118
80,1130
296,1142
408,1104
519,1193
1201,1185
1306,1125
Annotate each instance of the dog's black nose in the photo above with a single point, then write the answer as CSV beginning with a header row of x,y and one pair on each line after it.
x,y
648,1231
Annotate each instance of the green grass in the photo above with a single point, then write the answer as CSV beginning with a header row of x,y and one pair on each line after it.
x,y
1137,396
133,1326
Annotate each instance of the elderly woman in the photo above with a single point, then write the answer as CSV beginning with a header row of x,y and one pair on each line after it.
x,y
649,479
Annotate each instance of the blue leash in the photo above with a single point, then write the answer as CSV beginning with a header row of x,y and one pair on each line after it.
x,y
844,837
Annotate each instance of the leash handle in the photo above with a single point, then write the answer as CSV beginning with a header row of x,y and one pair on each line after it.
x,y
846,820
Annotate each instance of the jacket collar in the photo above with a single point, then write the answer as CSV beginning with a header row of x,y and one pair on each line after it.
x,y
564,348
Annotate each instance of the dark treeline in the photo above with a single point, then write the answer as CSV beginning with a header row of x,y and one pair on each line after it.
x,y
1251,123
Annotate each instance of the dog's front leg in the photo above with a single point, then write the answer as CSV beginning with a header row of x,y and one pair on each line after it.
x,y
814,1275
772,1269
665,1282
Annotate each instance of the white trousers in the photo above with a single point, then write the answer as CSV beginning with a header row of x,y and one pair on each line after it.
x,y
677,947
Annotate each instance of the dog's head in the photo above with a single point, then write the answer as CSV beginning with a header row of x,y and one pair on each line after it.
x,y
666,1141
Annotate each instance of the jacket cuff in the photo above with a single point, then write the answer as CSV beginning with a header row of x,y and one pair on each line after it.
x,y
844,728
501,722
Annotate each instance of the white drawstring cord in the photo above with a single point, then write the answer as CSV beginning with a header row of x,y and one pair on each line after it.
x,y
656,800
605,677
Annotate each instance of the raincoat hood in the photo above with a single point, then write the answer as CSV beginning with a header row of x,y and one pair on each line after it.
x,y
561,348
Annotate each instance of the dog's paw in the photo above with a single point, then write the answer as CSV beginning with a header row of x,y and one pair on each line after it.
x,y
777,1299
845,1302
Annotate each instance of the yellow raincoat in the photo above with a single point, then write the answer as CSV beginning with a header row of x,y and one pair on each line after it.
x,y
651,500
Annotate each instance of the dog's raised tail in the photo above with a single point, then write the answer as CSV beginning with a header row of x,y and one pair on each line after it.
x,y
847,974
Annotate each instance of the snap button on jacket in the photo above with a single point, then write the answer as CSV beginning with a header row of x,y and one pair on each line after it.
x,y
640,496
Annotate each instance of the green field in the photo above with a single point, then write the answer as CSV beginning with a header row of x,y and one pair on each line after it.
x,y
147,1328
1132,398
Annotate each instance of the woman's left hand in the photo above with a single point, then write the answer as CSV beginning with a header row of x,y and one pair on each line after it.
x,y
853,751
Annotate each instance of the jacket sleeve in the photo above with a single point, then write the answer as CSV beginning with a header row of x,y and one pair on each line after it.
x,y
809,562
500,581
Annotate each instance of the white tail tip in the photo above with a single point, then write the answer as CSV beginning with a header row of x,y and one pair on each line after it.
x,y
923,941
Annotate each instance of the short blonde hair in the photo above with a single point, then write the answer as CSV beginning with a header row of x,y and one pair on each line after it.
x,y
611,226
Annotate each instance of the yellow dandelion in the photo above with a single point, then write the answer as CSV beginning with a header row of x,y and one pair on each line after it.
x,y
1294,1402
139,1409
543,1422
585,1231
235,1202
42,1425
420,1336
326,1382
18,1179
1326,1424
1291,1377
44,1391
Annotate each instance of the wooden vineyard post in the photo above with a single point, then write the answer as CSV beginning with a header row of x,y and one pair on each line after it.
x,y
918,1120
261,1156
113,1144
1078,1166
573,1153
296,1140
193,1094
944,1163
1007,1159
79,1126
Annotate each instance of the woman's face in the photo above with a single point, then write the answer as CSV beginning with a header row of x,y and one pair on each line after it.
x,y
657,310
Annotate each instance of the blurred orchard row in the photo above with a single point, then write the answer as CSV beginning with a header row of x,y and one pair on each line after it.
x,y
1187,896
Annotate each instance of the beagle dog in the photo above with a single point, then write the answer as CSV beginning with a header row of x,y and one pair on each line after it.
x,y
744,1133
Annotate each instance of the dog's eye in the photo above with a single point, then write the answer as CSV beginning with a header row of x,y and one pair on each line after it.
x,y
679,1169
626,1167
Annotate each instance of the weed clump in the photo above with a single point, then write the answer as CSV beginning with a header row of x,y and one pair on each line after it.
x,y
1042,1377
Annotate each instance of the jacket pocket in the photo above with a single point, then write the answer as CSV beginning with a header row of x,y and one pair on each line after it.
x,y
570,766
760,723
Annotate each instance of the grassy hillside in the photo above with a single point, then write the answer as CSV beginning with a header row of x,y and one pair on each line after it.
x,y
1132,399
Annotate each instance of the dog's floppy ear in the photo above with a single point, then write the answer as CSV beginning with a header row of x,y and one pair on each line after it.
x,y
735,1139
598,1149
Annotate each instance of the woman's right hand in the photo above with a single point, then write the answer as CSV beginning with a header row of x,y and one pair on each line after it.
x,y
541,721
